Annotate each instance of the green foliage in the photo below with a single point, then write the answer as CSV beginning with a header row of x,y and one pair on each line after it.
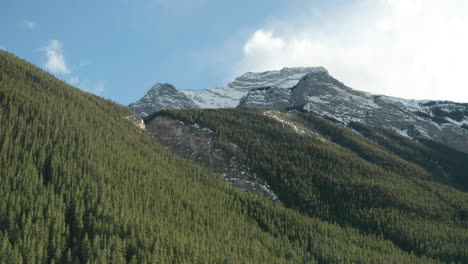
x,y
81,184
339,176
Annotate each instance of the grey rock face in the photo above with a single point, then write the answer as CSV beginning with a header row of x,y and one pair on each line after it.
x,y
272,97
161,96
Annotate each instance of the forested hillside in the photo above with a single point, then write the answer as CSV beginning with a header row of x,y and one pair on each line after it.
x,y
81,184
390,187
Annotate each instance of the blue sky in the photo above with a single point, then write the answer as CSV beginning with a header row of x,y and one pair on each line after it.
x,y
119,49
124,46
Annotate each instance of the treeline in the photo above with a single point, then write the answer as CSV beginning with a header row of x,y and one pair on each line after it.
x,y
80,184
339,176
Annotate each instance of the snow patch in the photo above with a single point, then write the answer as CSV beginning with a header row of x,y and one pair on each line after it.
x,y
219,97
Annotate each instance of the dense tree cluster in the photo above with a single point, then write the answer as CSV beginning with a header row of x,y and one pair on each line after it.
x,y
80,184
397,190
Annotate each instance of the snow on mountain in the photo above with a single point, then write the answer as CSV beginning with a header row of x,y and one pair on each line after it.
x,y
219,97
284,78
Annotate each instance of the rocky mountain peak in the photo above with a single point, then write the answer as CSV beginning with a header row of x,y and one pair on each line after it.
x,y
161,96
162,87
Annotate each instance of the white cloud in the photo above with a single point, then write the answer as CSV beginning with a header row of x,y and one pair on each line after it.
x,y
263,41
55,59
56,64
407,48
29,24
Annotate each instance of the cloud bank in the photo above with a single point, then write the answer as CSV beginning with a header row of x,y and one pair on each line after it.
x,y
408,48
55,59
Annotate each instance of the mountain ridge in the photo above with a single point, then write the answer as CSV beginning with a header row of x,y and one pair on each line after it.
x,y
315,90
228,96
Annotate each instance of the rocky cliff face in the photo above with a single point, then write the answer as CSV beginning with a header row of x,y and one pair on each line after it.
x,y
315,90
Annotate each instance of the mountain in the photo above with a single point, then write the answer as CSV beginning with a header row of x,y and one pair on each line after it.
x,y
315,90
218,97
82,182
161,96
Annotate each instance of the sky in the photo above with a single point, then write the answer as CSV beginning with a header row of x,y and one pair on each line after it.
x,y
119,49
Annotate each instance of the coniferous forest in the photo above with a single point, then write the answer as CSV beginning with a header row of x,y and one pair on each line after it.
x,y
382,184
79,183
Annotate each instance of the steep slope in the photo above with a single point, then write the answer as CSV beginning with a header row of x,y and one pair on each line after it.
x,y
81,183
161,96
327,171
